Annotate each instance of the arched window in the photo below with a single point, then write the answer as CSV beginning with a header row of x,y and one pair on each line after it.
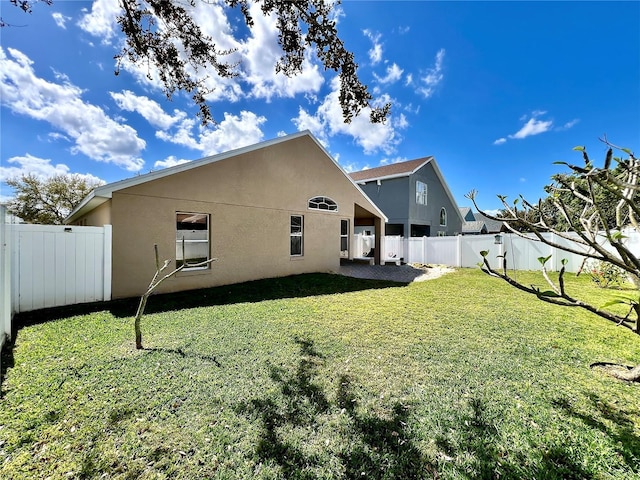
x,y
443,217
323,203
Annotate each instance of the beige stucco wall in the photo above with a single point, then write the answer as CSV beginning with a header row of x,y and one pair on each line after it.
x,y
99,216
250,199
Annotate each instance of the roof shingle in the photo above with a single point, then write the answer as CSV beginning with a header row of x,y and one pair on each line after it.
x,y
399,169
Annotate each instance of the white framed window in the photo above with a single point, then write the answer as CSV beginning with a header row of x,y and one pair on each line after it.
x,y
296,235
442,234
344,238
323,203
192,239
443,217
421,193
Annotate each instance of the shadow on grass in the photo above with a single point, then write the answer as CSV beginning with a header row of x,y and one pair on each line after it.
x,y
383,443
476,437
369,446
181,353
295,286
614,422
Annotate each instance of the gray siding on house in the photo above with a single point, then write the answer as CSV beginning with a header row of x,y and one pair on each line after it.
x,y
437,198
390,197
396,197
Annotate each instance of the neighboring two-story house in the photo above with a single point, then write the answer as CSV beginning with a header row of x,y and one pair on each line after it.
x,y
414,197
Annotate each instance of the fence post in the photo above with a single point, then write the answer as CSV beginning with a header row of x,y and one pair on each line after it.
x,y
106,267
459,251
6,307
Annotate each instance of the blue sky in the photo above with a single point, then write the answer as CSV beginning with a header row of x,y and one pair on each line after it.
x,y
496,91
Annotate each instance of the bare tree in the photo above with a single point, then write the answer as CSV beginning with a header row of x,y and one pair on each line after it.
x,y
591,232
157,280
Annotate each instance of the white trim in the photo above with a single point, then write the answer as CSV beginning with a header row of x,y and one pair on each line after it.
x,y
445,217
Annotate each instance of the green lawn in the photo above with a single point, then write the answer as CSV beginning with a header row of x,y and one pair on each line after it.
x,y
323,377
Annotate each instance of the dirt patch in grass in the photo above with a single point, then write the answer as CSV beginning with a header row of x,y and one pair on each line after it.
x,y
431,272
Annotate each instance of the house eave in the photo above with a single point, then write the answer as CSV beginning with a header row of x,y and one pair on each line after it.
x,y
103,193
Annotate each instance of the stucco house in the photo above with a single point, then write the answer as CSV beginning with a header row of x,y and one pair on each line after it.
x,y
414,196
277,208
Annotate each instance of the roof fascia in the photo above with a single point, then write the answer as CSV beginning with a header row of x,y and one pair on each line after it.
x,y
397,175
105,192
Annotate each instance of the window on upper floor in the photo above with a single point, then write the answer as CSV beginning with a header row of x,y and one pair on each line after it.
x,y
323,203
443,217
421,193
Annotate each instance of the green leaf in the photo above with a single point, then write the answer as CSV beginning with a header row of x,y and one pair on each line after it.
x,y
480,264
484,253
618,235
579,149
626,150
548,293
616,301
544,260
564,261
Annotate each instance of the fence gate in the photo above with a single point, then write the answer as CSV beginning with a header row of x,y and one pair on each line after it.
x,y
56,265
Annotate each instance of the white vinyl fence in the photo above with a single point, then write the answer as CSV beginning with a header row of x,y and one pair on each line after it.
x,y
54,265
464,250
5,280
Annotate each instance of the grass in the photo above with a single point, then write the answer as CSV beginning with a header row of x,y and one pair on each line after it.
x,y
323,377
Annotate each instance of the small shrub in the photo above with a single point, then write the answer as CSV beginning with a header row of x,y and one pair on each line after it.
x,y
604,274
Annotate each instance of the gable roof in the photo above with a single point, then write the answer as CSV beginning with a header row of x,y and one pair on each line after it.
x,y
103,193
493,226
467,214
402,169
476,226
405,169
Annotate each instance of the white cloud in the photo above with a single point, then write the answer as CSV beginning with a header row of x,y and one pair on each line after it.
x,y
500,141
433,77
149,109
314,123
232,132
494,212
95,134
533,127
328,122
60,19
350,167
375,53
260,54
390,161
101,21
39,167
170,161
394,73
570,124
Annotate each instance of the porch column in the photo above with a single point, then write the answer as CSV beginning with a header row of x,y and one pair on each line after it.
x,y
379,229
